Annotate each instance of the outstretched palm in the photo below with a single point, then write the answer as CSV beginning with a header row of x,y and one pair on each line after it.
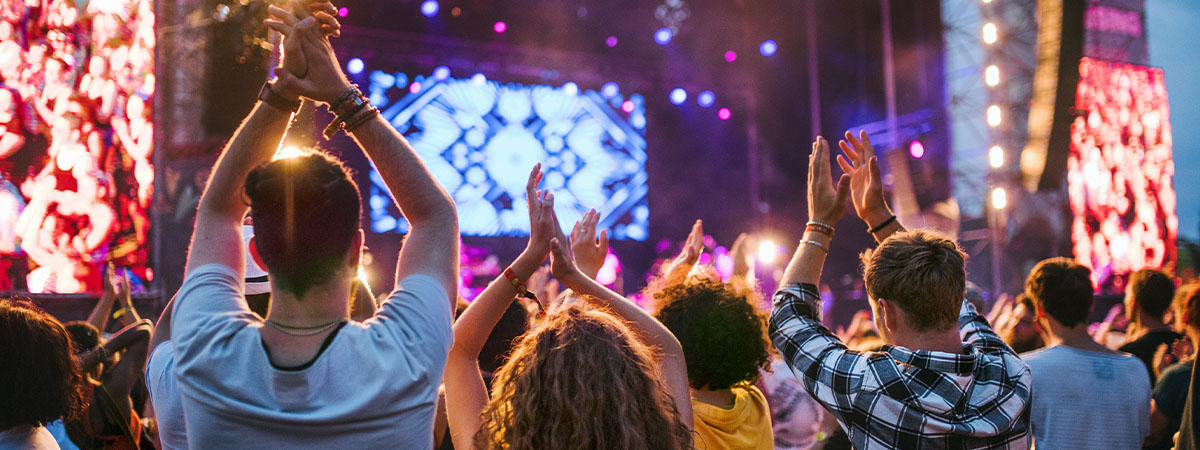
x,y
866,187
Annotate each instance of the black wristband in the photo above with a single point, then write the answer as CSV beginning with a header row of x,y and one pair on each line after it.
x,y
882,225
268,96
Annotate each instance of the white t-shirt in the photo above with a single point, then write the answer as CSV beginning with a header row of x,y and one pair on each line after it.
x,y
27,438
165,396
374,386
1088,400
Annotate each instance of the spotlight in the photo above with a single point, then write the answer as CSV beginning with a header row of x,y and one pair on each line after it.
x,y
289,151
768,48
441,73
343,12
724,113
767,251
663,36
999,198
570,88
500,27
627,106
706,99
996,156
610,89
991,75
730,56
611,41
989,33
429,8
993,115
678,96
916,149
354,66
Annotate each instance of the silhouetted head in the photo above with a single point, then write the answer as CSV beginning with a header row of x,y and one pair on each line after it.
x,y
39,380
724,337
1062,289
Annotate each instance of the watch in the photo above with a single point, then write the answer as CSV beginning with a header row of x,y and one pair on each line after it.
x,y
269,97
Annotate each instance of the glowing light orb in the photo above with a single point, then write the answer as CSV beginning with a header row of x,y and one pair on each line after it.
x,y
999,198
724,113
767,251
355,66
730,56
989,33
500,27
610,89
706,99
992,75
996,156
916,149
663,36
768,48
611,41
993,116
627,106
430,8
678,96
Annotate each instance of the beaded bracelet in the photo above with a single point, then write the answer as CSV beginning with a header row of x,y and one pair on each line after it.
x,y
360,119
819,228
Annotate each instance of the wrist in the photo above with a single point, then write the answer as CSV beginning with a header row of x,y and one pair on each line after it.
x,y
877,217
333,94
285,90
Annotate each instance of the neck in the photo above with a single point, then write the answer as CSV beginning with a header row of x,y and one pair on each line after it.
x,y
1143,324
1075,337
320,305
947,341
723,398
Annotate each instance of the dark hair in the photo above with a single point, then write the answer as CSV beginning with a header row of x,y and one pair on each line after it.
x,y
723,335
1062,288
84,336
513,324
39,380
306,212
1152,291
921,272
1187,304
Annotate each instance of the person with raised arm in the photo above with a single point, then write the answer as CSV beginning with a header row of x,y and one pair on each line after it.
x,y
308,376
587,377
945,379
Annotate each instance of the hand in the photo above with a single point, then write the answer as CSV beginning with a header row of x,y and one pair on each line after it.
x,y
740,255
826,203
866,186
310,68
109,281
541,212
679,267
123,291
302,10
562,260
589,252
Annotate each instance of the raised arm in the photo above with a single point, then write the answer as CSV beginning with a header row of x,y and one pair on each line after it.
x,y
101,313
677,269
860,163
466,396
649,329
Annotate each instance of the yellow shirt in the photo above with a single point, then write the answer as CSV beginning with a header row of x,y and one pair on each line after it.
x,y
746,425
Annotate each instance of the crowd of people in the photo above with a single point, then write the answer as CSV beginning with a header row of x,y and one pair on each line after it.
x,y
273,341
76,178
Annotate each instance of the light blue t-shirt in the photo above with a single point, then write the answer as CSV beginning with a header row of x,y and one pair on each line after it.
x,y
374,386
1088,400
165,396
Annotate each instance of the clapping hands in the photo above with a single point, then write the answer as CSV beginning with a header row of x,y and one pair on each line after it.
x,y
589,251
309,67
860,164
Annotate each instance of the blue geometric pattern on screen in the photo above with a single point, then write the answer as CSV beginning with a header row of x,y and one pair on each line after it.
x,y
480,138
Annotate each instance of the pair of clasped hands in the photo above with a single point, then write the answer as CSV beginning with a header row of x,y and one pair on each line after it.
x,y
308,67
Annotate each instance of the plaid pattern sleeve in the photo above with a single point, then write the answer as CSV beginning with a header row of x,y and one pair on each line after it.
x,y
907,399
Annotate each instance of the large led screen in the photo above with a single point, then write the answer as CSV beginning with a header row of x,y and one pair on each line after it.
x,y
76,179
1120,169
481,137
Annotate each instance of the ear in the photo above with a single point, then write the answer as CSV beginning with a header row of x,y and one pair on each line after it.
x,y
356,249
254,252
890,315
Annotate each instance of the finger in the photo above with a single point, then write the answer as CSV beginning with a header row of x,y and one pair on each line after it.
x,y
575,231
604,241
589,233
531,184
327,19
282,14
276,25
846,166
857,145
843,189
848,150
823,159
866,143
875,172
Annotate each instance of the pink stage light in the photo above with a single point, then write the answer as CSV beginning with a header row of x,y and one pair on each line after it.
x,y
916,149
500,27
611,41
415,87
627,106
724,113
342,12
731,56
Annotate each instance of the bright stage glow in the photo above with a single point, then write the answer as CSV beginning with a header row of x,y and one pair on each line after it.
x,y
415,87
663,36
989,33
706,99
724,113
611,41
996,156
354,66
992,75
678,96
916,149
479,140
429,8
610,89
768,48
441,73
999,198
767,251
993,116
500,27
730,56
288,151
478,79
343,12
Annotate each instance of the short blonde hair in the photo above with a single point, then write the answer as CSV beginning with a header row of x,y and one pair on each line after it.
x,y
922,272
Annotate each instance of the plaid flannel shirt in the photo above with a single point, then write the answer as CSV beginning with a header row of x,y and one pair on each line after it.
x,y
905,399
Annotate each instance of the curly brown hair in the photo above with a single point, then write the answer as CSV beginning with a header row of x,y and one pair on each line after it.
x,y
581,380
724,336
39,380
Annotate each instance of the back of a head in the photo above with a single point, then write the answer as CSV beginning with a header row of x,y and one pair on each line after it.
x,y
495,351
581,380
306,212
922,272
724,337
1062,288
1152,291
84,336
39,381
1187,305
